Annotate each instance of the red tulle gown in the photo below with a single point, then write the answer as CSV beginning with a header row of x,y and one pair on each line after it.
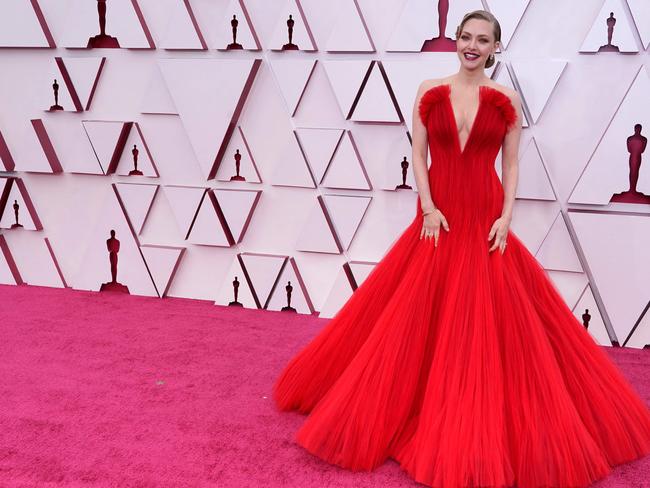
x,y
465,366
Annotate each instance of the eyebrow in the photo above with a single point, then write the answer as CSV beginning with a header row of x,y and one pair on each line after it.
x,y
479,35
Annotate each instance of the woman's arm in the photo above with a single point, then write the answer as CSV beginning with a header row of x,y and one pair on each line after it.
x,y
510,160
421,150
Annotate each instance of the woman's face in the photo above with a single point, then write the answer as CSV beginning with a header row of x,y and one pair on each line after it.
x,y
475,43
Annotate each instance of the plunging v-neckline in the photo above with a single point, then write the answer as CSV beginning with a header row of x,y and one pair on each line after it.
x,y
453,116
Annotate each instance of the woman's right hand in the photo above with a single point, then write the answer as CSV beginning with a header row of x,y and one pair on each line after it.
x,y
431,225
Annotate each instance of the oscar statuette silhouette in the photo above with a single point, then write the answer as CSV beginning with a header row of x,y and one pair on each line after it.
x,y
135,171
56,106
609,47
405,166
113,246
234,44
290,46
235,288
288,307
636,145
102,40
16,209
586,317
237,176
441,43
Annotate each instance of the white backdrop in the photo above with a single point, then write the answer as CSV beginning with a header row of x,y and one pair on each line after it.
x,y
321,131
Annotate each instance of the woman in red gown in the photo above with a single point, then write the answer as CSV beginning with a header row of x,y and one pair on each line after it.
x,y
456,357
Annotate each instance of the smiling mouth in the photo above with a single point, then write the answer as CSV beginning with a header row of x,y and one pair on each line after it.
x,y
471,57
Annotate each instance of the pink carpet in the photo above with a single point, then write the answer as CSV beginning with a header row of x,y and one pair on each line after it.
x,y
100,389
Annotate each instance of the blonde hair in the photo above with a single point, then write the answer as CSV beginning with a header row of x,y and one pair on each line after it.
x,y
483,15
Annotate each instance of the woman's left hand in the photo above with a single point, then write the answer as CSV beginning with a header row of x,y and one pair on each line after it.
x,y
499,232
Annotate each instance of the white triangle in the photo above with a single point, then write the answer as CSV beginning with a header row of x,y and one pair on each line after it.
x,y
405,78
246,35
103,136
84,73
33,259
346,77
291,168
570,285
46,93
375,103
94,264
557,252
127,160
640,336
318,146
137,200
207,93
533,181
156,98
641,15
615,246
316,235
122,22
537,79
8,217
532,220
338,295
247,167
361,270
349,33
19,25
162,261
292,76
181,32
417,22
27,150
299,300
622,34
237,206
263,271
226,293
509,13
607,171
346,213
207,228
346,168
184,202
300,36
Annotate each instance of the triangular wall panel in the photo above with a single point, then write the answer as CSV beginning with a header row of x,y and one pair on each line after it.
x,y
246,36
192,83
622,34
183,30
124,21
22,24
350,32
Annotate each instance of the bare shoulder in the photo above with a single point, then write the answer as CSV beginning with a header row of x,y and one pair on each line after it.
x,y
430,83
509,92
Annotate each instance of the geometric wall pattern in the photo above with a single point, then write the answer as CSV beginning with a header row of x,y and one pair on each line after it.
x,y
250,152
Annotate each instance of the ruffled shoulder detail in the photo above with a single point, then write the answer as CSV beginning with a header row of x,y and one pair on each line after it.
x,y
503,103
432,96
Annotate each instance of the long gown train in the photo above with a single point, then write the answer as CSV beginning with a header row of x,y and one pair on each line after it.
x,y
465,366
